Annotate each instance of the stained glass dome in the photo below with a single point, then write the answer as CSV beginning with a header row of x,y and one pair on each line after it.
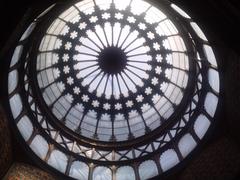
x,y
113,89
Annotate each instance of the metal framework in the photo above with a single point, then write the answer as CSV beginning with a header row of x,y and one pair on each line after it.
x,y
101,89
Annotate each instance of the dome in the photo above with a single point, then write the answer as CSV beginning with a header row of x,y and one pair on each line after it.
x,y
101,89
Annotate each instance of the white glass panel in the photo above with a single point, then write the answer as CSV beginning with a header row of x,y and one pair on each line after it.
x,y
121,4
16,105
102,173
168,159
210,55
213,78
210,104
198,31
16,55
180,11
79,170
25,127
125,173
186,144
28,31
58,160
40,146
201,125
148,169
12,81
138,7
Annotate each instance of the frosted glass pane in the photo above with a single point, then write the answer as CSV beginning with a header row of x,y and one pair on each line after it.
x,y
210,104
168,159
125,173
102,173
79,170
186,144
201,125
25,127
198,31
12,81
148,169
213,78
58,160
180,11
210,55
16,55
28,31
40,146
16,105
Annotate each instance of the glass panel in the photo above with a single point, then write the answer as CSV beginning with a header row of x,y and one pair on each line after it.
x,y
168,159
186,144
125,173
210,104
201,125
79,170
16,105
147,169
12,81
180,11
198,31
58,160
40,146
102,173
25,127
213,78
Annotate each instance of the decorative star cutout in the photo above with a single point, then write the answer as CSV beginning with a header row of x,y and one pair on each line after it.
x,y
65,30
56,72
68,45
118,106
93,19
65,57
159,58
131,19
156,46
106,16
70,80
75,19
66,69
73,35
155,81
148,91
158,70
129,103
106,106
82,26
76,90
150,35
95,103
142,26
85,98
139,98
58,44
156,98
119,16
61,86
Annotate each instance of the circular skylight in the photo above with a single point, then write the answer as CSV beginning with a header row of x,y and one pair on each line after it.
x,y
116,89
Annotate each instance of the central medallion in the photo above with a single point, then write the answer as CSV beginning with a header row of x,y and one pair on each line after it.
x,y
112,60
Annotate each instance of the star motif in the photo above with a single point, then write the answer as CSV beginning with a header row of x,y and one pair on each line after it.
x,y
131,19
76,90
158,70
106,16
159,58
118,106
66,69
82,26
119,16
85,98
69,97
55,58
106,106
142,26
150,35
70,80
73,35
95,103
155,81
148,91
61,86
93,19
58,44
65,57
75,19
129,103
139,98
68,45
145,107
156,46
156,98
56,72
65,30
